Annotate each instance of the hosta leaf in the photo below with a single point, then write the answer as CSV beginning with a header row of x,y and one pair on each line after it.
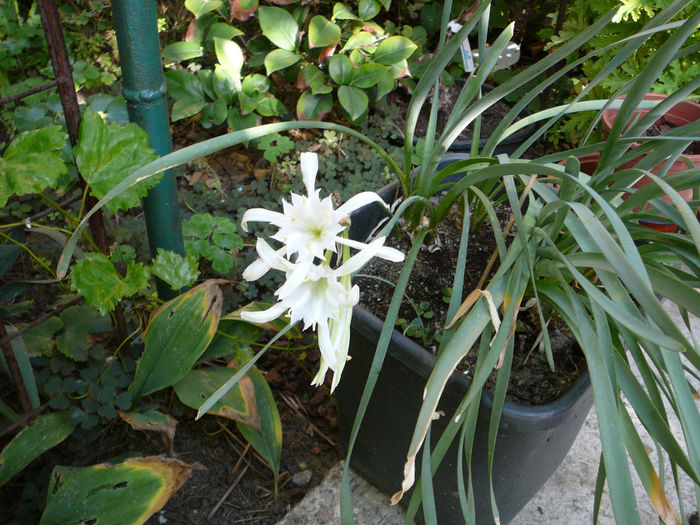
x,y
340,69
323,32
151,420
32,162
359,40
230,57
394,49
342,12
106,155
125,493
96,278
353,100
368,9
280,59
77,321
178,333
313,107
231,335
180,51
279,27
367,75
199,7
178,271
48,431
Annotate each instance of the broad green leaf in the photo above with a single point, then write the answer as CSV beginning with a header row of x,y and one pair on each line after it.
x,y
47,432
199,225
225,234
178,271
359,40
314,107
238,403
279,27
40,339
77,321
368,9
183,85
323,32
95,277
255,85
270,106
225,31
151,420
340,69
230,57
238,122
342,12
32,162
219,111
105,155
232,334
280,59
186,107
222,261
199,7
180,51
367,75
126,493
394,49
178,333
267,440
353,100
225,86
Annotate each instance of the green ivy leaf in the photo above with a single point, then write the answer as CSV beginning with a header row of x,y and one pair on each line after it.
x,y
353,100
323,32
368,9
178,271
340,69
225,235
32,162
394,49
367,75
106,155
280,59
279,27
199,225
96,278
77,321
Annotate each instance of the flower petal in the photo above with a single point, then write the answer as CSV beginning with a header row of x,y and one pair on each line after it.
x,y
255,270
357,201
271,257
385,252
375,248
309,168
264,316
259,215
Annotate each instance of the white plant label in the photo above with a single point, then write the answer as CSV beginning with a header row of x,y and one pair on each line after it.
x,y
465,48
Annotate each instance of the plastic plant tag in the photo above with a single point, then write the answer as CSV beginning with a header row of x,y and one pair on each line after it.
x,y
465,48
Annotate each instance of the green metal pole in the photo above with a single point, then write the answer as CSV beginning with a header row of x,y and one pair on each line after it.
x,y
143,87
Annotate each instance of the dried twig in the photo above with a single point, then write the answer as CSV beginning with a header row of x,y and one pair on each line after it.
x,y
233,485
295,405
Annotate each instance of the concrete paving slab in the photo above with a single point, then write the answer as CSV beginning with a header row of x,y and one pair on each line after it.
x,y
566,499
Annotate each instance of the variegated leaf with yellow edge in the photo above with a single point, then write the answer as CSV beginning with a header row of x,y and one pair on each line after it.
x,y
113,494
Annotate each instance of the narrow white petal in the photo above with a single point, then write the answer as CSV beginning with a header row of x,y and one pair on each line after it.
x,y
385,252
321,375
357,201
298,275
255,270
309,167
271,257
259,215
264,316
325,345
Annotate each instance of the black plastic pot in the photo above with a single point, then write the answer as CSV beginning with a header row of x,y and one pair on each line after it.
x,y
508,146
532,441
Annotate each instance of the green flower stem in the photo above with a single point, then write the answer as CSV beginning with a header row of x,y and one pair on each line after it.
x,y
73,221
30,252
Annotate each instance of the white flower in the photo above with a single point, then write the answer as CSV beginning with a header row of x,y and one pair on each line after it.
x,y
309,226
313,292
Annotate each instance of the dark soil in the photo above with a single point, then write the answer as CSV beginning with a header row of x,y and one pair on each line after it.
x,y
310,444
448,95
662,126
532,382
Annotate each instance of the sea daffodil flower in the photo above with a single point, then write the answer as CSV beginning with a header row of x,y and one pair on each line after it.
x,y
309,226
314,292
